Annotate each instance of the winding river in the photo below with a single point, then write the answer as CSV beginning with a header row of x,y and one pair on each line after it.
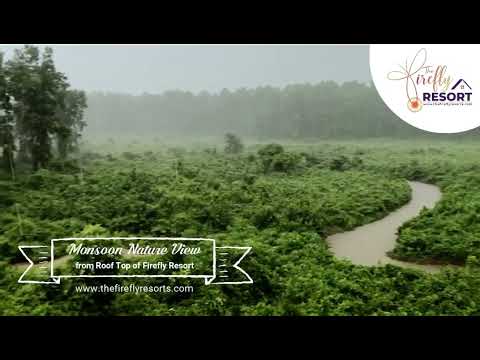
x,y
368,244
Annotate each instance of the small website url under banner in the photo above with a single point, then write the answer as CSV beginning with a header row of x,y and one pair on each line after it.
x,y
132,288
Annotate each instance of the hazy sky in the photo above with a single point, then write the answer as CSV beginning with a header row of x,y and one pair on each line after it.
x,y
153,69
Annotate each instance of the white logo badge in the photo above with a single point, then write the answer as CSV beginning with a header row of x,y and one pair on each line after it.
x,y
431,87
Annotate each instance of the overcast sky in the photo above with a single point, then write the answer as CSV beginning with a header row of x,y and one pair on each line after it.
x,y
153,69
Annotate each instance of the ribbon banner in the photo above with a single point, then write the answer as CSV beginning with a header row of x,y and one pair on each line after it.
x,y
134,257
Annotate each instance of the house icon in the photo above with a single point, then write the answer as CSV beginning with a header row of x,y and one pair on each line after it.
x,y
462,86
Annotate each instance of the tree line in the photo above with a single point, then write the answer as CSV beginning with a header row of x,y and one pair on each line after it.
x,y
324,110
40,115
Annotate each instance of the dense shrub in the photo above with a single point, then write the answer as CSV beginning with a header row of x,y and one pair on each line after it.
x,y
284,215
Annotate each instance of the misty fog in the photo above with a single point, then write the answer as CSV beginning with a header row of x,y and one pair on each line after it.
x,y
257,91
137,69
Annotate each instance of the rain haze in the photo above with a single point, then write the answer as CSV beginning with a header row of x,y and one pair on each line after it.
x,y
258,92
137,69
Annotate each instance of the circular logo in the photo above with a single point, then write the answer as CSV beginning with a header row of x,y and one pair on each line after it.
x,y
431,87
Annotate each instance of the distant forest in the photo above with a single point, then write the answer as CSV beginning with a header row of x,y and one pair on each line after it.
x,y
324,110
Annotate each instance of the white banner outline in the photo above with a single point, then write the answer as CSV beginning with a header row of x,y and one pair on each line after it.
x,y
209,278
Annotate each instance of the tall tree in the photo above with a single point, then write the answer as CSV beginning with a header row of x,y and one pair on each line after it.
x,y
39,89
7,141
21,86
233,144
70,121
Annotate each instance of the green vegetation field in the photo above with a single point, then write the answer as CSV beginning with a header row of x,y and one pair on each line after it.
x,y
283,203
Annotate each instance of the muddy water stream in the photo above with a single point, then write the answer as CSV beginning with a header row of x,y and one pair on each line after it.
x,y
368,244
